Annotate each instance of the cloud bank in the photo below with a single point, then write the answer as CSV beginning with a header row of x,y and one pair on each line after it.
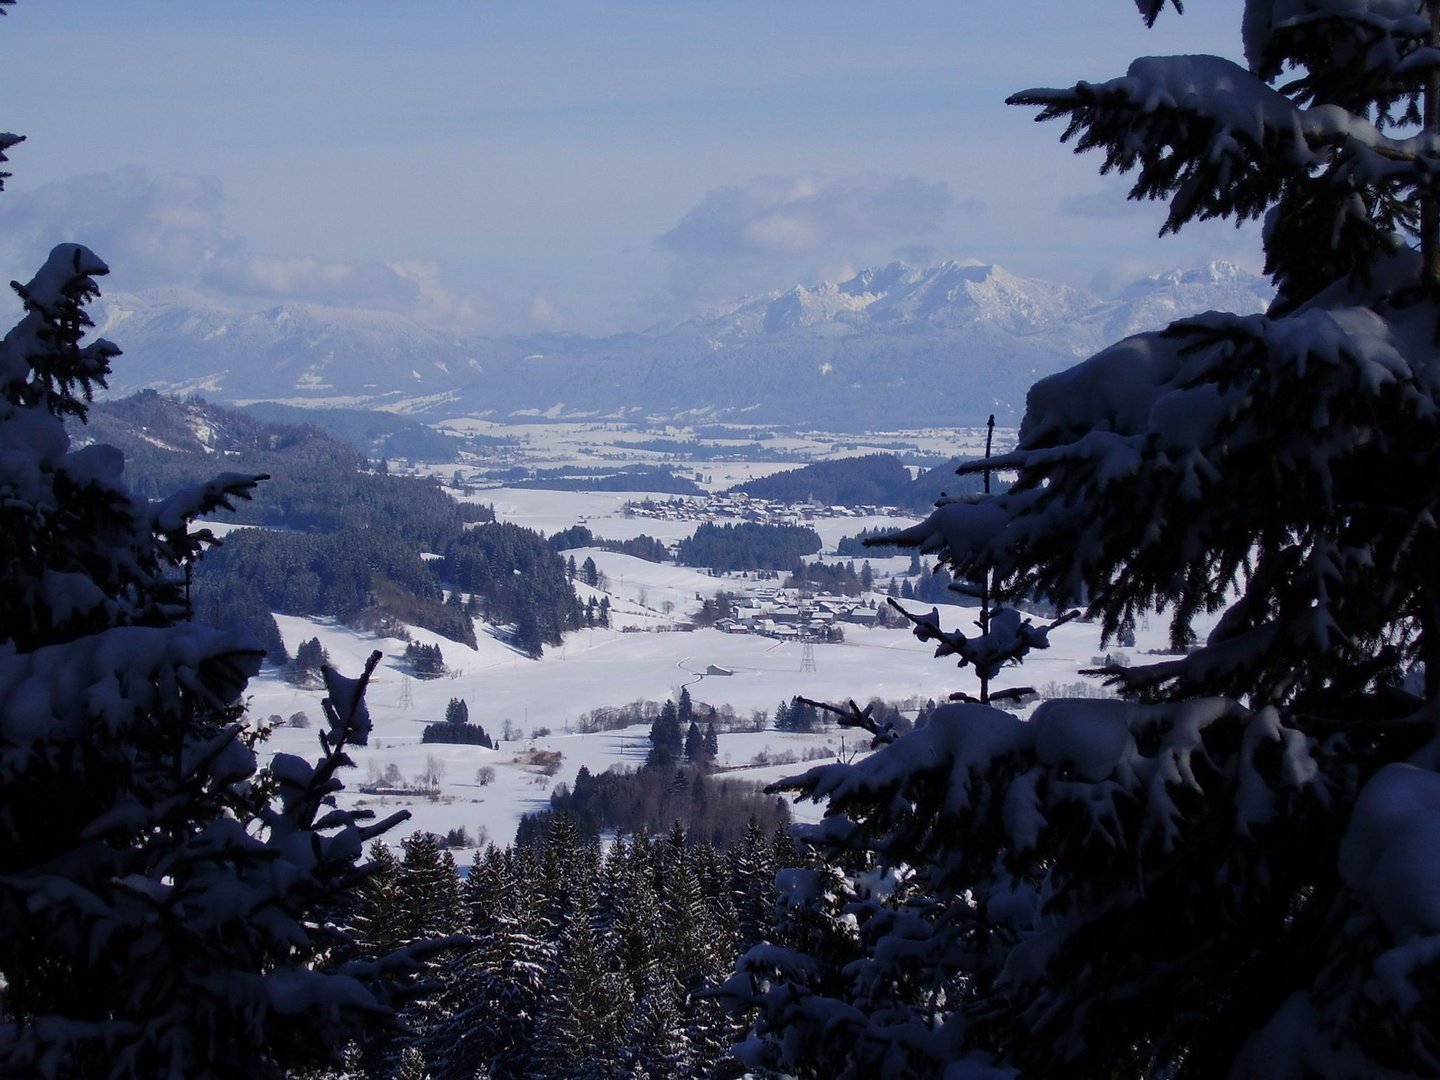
x,y
752,237
166,231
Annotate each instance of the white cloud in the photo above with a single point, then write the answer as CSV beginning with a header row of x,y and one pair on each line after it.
x,y
158,231
308,278
542,311
153,230
760,235
438,305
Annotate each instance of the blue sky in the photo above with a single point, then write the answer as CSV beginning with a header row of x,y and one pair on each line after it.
x,y
513,165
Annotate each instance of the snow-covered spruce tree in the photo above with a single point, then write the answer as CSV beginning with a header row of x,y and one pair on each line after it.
x,y
1232,871
165,910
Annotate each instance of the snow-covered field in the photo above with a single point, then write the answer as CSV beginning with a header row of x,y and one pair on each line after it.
x,y
643,657
607,667
602,443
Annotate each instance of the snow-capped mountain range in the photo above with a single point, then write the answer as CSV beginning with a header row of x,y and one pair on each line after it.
x,y
897,345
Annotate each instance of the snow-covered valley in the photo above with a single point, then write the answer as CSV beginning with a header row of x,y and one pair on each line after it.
x,y
643,656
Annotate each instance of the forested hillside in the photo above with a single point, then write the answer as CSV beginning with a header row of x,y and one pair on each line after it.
x,y
339,540
1225,865
747,546
514,577
875,479
870,480
377,435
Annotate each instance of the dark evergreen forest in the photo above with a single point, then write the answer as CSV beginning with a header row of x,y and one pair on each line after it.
x,y
875,479
630,478
578,960
339,540
747,546
514,577
377,435
871,480
641,547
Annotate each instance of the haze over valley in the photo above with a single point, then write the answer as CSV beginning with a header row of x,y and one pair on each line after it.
x,y
893,346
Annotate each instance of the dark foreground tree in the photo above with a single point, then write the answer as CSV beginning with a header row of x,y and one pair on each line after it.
x,y
1232,872
165,908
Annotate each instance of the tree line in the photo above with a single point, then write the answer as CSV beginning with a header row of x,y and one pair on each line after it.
x,y
747,546
580,961
515,578
641,547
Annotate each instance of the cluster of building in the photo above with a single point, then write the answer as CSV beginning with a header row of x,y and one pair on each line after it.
x,y
741,507
793,614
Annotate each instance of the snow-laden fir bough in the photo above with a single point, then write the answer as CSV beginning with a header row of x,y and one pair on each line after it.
x,y
1232,870
166,908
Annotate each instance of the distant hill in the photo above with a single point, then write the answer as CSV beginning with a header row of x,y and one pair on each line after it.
x,y
892,346
377,435
873,479
920,496
338,541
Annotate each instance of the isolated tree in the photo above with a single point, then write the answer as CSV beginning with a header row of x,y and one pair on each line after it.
x,y
309,658
1232,871
657,1043
164,909
582,1020
457,712
782,716
753,881
667,739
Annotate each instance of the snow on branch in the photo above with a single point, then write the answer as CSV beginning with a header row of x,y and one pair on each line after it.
x,y
1216,141
41,359
345,706
170,518
172,514
960,526
1387,39
853,716
56,692
1009,638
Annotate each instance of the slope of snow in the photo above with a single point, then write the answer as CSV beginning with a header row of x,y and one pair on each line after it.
x,y
609,667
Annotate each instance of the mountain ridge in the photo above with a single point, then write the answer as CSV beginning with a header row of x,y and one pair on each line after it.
x,y
865,352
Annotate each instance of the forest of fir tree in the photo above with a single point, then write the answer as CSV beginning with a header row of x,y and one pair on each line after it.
x,y
1227,870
